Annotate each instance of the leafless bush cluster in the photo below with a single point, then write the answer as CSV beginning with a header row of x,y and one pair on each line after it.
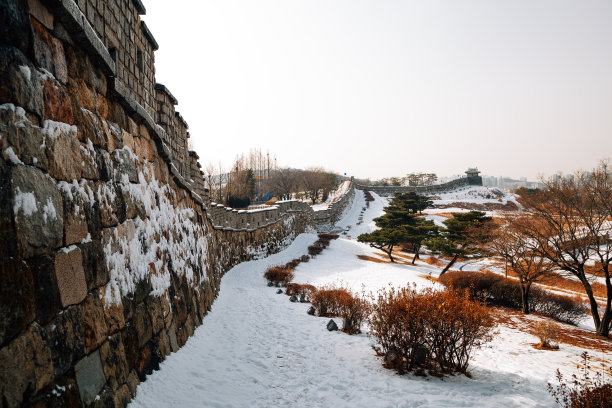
x,y
434,330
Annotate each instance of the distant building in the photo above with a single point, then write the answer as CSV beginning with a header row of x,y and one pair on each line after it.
x,y
473,176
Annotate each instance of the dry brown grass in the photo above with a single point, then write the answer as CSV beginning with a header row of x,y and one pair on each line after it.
x,y
568,334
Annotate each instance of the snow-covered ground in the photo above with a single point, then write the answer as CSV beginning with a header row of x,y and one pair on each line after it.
x,y
257,349
333,196
475,194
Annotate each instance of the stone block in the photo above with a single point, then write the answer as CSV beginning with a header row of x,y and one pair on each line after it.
x,y
148,360
49,52
142,324
25,139
124,164
63,151
112,134
57,102
40,13
75,227
93,322
70,276
112,354
20,81
89,162
90,128
85,96
38,209
47,298
90,377
113,313
94,265
17,306
26,367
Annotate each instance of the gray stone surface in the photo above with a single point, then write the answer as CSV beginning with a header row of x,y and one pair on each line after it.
x,y
90,377
293,298
331,325
19,82
40,228
311,311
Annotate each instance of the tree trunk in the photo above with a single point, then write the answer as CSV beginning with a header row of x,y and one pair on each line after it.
x,y
525,296
600,330
451,263
416,255
390,253
606,318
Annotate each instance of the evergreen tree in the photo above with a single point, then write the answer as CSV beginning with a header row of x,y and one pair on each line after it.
x,y
463,234
400,224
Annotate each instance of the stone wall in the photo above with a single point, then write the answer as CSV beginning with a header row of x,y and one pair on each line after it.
x,y
437,188
110,250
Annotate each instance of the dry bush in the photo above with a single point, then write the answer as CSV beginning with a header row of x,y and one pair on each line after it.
x,y
432,260
330,301
478,284
368,196
324,242
584,391
299,289
315,249
437,330
548,333
354,310
497,290
563,308
304,258
279,274
292,264
329,237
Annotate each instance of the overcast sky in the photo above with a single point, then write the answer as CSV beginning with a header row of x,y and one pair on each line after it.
x,y
382,88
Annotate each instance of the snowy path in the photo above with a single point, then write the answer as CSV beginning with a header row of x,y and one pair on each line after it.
x,y
256,348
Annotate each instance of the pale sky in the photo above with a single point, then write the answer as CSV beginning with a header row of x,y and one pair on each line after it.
x,y
384,88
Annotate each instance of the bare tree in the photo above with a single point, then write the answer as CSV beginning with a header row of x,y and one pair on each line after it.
x,y
317,181
570,226
513,247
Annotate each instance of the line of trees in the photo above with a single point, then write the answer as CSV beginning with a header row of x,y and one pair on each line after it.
x,y
256,177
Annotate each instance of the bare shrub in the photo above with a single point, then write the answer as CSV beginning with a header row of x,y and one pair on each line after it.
x,y
292,264
279,275
548,333
305,258
329,237
299,289
497,290
437,330
314,249
432,260
324,242
563,308
330,301
583,391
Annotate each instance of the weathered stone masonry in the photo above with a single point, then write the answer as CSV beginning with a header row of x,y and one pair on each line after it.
x,y
110,250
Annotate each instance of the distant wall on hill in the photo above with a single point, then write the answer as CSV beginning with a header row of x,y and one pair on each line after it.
x,y
437,188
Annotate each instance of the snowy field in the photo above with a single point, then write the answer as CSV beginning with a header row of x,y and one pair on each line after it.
x,y
257,349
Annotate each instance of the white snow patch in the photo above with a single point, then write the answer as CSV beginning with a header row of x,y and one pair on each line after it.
x,y
25,71
49,211
26,202
54,129
10,155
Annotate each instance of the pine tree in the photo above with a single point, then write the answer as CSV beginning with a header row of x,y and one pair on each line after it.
x,y
463,235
